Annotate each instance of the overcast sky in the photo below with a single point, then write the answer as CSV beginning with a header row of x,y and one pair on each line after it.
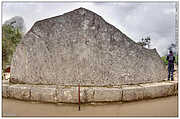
x,y
136,20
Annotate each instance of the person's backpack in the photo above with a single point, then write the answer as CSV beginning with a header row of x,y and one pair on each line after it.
x,y
171,57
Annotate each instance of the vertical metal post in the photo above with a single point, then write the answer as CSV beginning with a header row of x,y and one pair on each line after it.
x,y
79,95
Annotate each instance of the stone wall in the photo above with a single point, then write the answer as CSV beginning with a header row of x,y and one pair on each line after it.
x,y
64,94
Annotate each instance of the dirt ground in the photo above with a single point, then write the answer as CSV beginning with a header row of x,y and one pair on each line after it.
x,y
167,106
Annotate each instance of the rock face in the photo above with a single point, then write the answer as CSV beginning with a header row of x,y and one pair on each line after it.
x,y
80,47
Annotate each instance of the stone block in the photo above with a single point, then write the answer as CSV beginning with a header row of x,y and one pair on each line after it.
x,y
70,95
107,94
87,94
67,95
5,90
21,92
175,83
5,81
131,93
43,93
154,90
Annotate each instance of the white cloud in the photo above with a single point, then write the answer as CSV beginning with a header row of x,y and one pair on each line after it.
x,y
136,20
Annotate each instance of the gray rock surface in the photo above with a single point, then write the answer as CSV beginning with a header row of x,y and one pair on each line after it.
x,y
70,95
21,92
5,90
81,47
107,94
175,87
131,93
67,95
154,90
43,93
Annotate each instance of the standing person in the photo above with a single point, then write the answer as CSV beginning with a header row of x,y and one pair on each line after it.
x,y
170,58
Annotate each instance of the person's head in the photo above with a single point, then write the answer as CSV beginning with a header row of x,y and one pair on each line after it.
x,y
170,52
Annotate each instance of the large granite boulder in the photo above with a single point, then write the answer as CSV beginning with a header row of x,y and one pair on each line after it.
x,y
81,47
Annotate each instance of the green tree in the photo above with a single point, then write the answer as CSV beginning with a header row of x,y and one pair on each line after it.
x,y
163,58
10,38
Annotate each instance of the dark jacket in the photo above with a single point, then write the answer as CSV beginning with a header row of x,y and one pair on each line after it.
x,y
170,58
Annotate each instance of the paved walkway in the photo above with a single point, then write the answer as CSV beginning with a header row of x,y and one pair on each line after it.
x,y
167,106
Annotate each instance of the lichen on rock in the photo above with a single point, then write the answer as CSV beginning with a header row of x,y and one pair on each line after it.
x,y
79,47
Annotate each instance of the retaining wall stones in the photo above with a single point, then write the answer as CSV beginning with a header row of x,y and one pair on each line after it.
x,y
107,94
131,93
19,91
64,94
5,91
43,93
158,89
